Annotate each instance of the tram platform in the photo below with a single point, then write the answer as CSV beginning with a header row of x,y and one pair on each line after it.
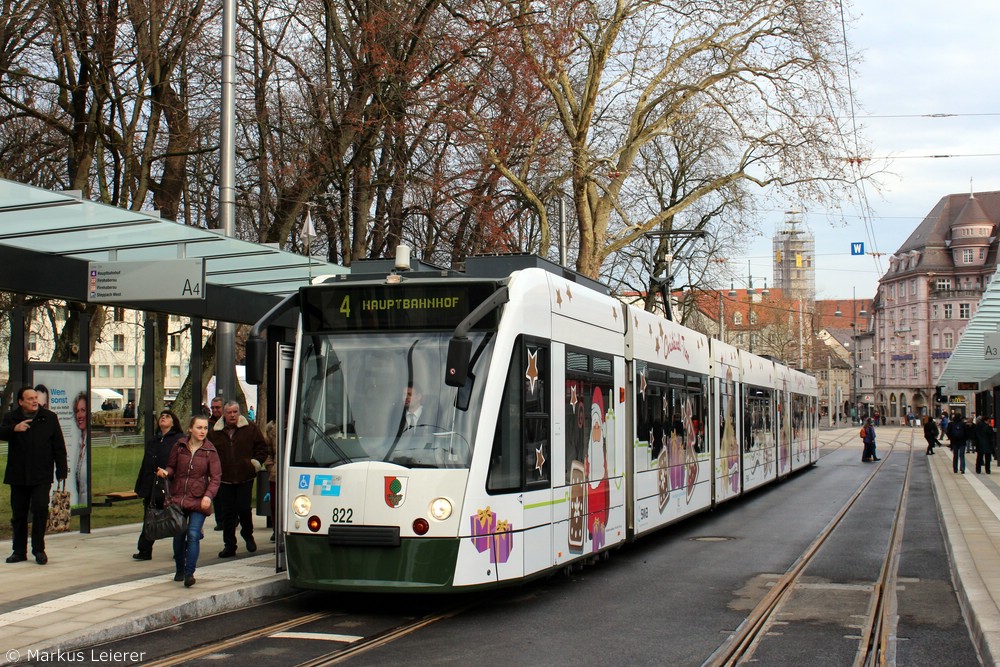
x,y
92,592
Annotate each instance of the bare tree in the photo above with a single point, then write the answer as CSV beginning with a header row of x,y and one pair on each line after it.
x,y
761,77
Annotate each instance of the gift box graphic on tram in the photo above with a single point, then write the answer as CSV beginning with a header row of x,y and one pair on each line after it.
x,y
503,543
484,524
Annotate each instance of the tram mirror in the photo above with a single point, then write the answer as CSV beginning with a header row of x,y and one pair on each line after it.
x,y
459,353
464,395
256,350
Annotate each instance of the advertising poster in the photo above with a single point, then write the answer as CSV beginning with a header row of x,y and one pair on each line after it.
x,y
65,390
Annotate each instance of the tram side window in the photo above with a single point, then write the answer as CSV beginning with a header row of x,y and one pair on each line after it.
x,y
521,449
589,383
671,407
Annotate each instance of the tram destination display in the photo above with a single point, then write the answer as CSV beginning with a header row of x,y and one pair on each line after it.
x,y
394,307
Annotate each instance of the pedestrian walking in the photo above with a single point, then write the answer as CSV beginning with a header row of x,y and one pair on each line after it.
x,y
196,475
242,451
985,444
930,434
868,437
156,455
958,436
35,446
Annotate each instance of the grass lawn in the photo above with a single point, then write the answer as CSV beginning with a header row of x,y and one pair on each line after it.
x,y
111,469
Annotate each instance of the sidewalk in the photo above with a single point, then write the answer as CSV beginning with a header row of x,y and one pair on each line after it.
x,y
92,591
969,508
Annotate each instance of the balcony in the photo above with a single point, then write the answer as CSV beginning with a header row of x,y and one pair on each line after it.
x,y
956,293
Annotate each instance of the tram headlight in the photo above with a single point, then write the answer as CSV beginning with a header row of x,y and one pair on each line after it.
x,y
440,509
301,505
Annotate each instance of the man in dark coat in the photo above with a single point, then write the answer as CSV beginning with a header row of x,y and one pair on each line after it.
x,y
35,447
985,444
242,451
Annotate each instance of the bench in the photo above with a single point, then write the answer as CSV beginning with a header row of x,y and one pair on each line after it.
x,y
117,497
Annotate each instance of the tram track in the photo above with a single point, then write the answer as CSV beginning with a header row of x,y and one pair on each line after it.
x,y
876,645
347,648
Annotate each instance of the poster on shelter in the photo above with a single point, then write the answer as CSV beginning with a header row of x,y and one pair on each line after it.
x,y
65,390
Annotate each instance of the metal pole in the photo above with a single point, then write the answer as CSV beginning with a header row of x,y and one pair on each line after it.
x,y
225,337
562,230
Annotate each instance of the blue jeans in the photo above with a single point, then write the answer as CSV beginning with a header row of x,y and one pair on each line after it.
x,y
958,455
187,545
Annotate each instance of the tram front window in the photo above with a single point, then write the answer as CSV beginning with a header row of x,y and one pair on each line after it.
x,y
382,397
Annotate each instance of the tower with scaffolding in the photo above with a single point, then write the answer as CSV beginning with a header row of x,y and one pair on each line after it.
x,y
794,260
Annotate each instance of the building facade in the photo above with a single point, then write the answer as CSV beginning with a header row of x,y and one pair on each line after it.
x,y
925,299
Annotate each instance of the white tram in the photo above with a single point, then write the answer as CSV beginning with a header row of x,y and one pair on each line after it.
x,y
451,431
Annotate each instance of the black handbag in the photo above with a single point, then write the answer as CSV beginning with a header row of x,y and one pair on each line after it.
x,y
166,522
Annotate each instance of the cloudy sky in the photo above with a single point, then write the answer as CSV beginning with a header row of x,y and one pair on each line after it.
x,y
917,58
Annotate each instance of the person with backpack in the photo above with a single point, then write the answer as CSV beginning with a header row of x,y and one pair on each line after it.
x,y
868,437
944,424
958,435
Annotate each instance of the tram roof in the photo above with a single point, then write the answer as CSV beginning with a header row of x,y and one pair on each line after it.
x,y
47,239
967,362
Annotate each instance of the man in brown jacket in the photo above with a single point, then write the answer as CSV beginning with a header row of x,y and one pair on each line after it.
x,y
242,451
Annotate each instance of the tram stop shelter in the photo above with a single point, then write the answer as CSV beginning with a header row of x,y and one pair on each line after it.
x,y
49,240
974,365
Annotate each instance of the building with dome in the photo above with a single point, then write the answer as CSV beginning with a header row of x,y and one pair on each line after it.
x,y
925,299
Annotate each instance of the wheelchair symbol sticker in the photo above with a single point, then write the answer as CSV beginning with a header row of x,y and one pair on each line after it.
x,y
303,481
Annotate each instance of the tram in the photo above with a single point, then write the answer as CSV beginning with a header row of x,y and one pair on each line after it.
x,y
458,430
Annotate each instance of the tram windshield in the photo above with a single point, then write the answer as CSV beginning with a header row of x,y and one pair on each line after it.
x,y
382,397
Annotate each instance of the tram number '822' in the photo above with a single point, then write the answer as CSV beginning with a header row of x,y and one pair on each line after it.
x,y
342,515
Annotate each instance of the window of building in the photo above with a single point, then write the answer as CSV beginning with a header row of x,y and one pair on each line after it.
x,y
103,371
892,371
130,371
947,311
738,318
32,342
943,283
175,371
913,285
175,342
967,256
118,343
117,371
982,253
119,315
915,373
964,310
934,341
739,339
934,312
913,313
947,340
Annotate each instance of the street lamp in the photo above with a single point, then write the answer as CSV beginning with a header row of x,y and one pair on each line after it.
x,y
853,396
750,294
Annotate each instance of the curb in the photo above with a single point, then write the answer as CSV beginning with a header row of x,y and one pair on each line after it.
x,y
229,600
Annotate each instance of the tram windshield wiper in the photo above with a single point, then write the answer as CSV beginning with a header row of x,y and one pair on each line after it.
x,y
327,440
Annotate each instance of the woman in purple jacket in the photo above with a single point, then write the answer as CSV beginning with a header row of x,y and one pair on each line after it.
x,y
196,474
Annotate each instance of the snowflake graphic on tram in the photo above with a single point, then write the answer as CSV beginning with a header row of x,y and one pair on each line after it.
x,y
458,430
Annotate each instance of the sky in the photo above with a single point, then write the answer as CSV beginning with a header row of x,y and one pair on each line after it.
x,y
913,58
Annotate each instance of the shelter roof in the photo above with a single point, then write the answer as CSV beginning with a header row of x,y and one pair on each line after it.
x,y
47,239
